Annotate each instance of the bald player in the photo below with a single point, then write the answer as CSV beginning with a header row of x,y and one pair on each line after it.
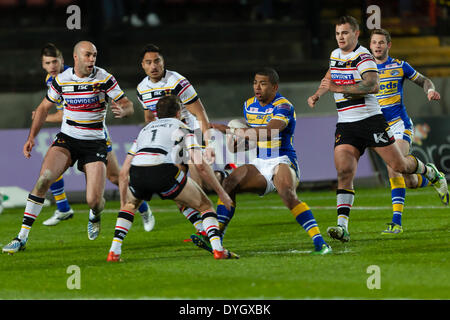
x,y
81,140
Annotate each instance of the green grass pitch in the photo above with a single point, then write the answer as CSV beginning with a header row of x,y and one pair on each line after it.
x,y
275,261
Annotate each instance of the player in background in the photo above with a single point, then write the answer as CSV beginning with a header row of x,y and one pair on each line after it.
x,y
353,78
272,120
84,89
160,82
53,63
393,73
155,168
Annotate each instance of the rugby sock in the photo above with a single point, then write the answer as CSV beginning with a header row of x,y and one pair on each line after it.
x,y
398,193
194,217
305,218
94,217
57,189
32,210
422,181
143,207
224,216
344,199
123,225
424,170
211,226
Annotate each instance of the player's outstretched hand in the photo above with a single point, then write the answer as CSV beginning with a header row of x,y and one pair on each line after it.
x,y
433,95
312,100
27,147
226,200
117,110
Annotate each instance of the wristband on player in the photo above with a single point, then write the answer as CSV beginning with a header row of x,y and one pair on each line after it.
x,y
430,90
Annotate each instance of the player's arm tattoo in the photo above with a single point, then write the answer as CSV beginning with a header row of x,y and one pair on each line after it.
x,y
368,84
424,82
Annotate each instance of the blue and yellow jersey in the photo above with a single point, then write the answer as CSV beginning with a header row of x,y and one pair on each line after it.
x,y
258,116
390,97
48,81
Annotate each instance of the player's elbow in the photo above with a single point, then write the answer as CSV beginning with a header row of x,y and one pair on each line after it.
x,y
375,88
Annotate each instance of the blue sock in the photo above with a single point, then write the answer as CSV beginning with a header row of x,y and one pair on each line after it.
x,y
304,216
224,216
398,193
57,189
143,207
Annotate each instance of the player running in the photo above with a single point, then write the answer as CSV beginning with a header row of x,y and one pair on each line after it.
x,y
52,61
353,78
393,73
160,82
155,168
84,89
272,120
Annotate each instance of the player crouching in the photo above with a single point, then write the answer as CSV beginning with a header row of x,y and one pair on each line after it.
x,y
155,168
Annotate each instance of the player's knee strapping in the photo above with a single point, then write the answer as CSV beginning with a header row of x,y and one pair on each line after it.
x,y
398,193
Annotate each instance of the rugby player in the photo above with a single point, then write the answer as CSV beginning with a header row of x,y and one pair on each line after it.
x,y
353,78
52,61
155,168
272,120
393,73
158,83
84,89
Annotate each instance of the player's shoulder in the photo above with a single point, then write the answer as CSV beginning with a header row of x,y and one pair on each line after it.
x,y
362,53
250,101
65,76
170,74
143,84
101,74
394,62
336,53
281,102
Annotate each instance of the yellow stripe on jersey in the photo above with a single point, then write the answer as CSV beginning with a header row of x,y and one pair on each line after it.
x,y
250,101
189,99
119,95
368,69
394,122
163,88
85,82
415,76
284,119
53,100
87,121
269,144
390,100
257,118
281,101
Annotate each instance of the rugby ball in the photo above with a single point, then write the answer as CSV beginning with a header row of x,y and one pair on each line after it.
x,y
236,144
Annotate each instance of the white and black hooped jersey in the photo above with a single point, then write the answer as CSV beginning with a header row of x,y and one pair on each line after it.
x,y
172,83
163,141
86,101
347,70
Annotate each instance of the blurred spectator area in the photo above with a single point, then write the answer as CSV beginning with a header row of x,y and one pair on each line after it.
x,y
214,40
